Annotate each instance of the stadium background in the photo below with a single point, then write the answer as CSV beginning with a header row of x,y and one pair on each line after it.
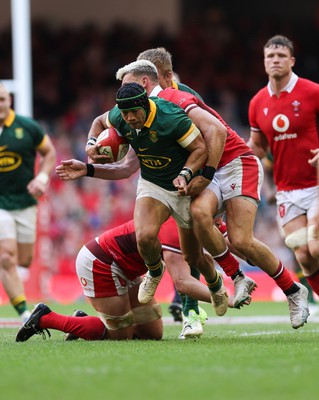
x,y
77,46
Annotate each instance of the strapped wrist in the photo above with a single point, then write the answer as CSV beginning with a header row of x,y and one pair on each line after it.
x,y
90,170
43,177
208,172
91,141
187,173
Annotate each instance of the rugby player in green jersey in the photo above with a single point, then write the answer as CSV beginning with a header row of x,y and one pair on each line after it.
x,y
162,59
21,139
169,150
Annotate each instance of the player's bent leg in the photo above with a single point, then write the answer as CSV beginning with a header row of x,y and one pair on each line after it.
x,y
148,322
115,313
183,280
119,327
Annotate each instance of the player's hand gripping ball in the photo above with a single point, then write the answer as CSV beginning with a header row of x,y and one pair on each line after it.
x,y
113,144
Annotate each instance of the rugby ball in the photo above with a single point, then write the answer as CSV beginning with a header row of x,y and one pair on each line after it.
x,y
113,144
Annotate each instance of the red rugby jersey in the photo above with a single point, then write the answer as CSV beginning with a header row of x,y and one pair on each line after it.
x,y
235,146
290,124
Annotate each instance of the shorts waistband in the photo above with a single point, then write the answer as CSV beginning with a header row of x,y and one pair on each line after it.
x,y
98,252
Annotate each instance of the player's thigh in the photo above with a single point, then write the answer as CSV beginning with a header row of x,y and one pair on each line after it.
x,y
208,202
115,305
240,215
116,315
149,215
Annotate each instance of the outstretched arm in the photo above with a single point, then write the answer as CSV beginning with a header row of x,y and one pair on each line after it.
x,y
74,169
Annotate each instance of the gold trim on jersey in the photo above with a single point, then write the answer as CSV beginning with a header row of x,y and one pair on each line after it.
x,y
189,136
151,115
174,85
43,142
10,118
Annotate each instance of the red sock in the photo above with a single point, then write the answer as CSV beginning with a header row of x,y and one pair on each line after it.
x,y
283,278
313,281
88,328
228,263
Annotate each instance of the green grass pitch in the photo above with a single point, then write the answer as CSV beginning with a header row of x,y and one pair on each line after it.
x,y
231,361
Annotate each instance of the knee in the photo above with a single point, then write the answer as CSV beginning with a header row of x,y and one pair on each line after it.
x,y
119,327
240,243
145,237
304,258
7,260
201,216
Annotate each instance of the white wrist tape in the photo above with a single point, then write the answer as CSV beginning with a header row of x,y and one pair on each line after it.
x,y
43,177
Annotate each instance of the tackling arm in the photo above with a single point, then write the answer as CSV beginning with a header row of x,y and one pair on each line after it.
x,y
214,133
195,160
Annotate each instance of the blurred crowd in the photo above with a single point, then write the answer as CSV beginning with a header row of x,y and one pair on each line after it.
x,y
74,81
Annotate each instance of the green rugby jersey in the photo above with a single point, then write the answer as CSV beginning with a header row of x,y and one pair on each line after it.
x,y
157,143
19,140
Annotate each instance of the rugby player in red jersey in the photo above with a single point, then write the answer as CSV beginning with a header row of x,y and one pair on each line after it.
x,y
283,118
109,269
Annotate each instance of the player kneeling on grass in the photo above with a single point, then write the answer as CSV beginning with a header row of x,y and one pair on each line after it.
x,y
109,270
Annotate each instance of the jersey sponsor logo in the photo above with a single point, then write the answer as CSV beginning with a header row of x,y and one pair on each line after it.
x,y
154,162
83,281
285,136
153,136
9,161
280,123
265,110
